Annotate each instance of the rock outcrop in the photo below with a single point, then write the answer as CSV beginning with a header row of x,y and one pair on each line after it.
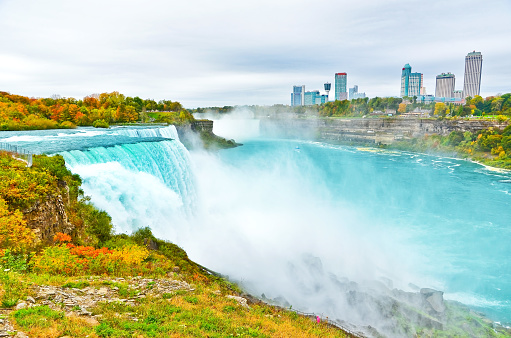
x,y
78,301
47,217
369,130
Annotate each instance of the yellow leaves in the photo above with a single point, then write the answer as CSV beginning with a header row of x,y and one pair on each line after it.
x,y
14,233
130,254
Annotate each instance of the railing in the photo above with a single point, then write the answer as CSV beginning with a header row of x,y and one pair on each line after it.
x,y
329,322
18,152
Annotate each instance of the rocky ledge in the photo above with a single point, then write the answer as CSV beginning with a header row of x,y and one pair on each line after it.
x,y
77,298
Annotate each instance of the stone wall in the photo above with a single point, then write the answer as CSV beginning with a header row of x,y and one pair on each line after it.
x,y
378,131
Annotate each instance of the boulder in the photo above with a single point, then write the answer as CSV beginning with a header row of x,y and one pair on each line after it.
x,y
434,298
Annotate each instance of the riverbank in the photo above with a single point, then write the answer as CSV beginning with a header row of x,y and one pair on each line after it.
x,y
484,141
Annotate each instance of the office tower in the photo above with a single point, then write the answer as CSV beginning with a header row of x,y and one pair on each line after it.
x,y
297,96
354,94
353,91
411,83
445,85
473,68
314,97
341,80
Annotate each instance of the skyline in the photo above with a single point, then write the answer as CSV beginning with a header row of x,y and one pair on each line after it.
x,y
228,53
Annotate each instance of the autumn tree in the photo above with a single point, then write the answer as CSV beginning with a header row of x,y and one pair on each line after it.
x,y
440,109
402,108
14,233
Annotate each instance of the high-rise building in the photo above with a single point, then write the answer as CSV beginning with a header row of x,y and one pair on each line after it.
x,y
473,68
341,81
411,83
297,96
353,91
445,85
314,97
354,94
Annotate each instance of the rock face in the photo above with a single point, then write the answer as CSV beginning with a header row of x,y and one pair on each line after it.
x,y
48,217
202,125
370,130
435,299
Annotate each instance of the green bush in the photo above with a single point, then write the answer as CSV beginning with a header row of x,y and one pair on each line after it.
x,y
100,124
67,125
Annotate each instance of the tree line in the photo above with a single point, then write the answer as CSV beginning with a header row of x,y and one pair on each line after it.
x,y
20,112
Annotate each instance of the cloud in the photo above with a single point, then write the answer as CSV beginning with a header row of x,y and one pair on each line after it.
x,y
206,53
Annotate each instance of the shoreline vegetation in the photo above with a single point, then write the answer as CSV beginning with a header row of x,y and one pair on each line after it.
x,y
490,147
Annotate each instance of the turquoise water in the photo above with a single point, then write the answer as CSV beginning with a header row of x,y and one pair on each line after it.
x,y
454,215
285,217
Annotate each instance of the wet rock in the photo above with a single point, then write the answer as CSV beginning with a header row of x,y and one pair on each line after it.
x,y
241,301
434,298
150,244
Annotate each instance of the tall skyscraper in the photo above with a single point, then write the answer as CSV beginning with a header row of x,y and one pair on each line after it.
x,y
411,83
341,81
445,85
473,68
297,96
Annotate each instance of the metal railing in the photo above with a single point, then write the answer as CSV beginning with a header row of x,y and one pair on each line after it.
x,y
18,152
329,322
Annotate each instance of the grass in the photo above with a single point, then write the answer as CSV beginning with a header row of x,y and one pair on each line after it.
x,y
204,312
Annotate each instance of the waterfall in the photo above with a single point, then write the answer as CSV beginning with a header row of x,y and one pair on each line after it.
x,y
165,132
117,177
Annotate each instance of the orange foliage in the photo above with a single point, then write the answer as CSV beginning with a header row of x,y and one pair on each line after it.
x,y
61,237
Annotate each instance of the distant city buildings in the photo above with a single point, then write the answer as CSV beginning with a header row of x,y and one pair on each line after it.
x,y
314,97
473,68
411,83
432,98
354,94
341,81
458,94
445,85
297,96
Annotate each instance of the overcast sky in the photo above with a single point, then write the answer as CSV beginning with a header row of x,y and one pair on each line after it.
x,y
233,52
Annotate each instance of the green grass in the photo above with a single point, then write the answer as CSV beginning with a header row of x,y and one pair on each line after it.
x,y
39,316
76,285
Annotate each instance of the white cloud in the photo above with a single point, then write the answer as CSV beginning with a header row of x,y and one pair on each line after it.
x,y
206,53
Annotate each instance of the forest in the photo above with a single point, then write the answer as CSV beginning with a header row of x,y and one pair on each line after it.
x,y
23,113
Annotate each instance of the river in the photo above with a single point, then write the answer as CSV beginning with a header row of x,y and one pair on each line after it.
x,y
294,219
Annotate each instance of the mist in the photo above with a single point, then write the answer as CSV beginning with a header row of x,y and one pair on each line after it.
x,y
333,230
